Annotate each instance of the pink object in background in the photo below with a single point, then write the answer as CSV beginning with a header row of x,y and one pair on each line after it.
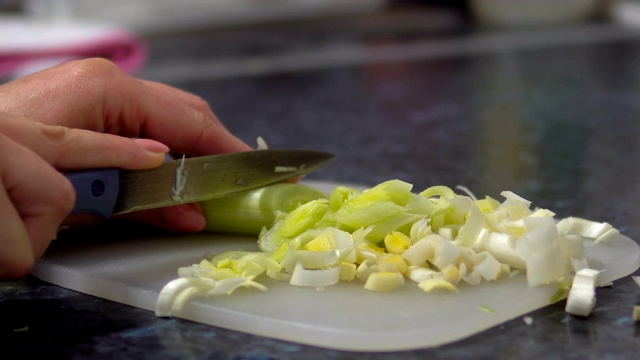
x,y
27,46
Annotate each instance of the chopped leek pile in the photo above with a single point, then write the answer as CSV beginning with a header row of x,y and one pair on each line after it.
x,y
385,236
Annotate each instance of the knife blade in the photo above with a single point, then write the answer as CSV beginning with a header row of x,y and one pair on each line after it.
x,y
106,192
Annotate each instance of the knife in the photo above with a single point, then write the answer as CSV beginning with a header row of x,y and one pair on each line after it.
x,y
111,191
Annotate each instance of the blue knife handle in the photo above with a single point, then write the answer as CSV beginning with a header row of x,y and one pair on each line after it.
x,y
96,191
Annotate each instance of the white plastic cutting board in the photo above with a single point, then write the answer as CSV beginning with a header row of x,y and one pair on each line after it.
x,y
132,269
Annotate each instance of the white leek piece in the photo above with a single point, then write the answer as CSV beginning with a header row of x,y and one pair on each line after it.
x,y
177,292
599,231
582,296
314,277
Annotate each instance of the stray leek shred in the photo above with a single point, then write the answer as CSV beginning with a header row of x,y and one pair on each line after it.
x,y
181,180
383,236
261,144
487,309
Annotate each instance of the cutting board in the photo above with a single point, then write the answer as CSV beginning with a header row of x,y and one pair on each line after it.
x,y
131,265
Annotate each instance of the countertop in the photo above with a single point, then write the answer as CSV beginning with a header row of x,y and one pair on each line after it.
x,y
551,114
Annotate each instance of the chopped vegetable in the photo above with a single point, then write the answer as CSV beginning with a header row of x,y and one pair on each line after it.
x,y
249,212
428,285
261,144
561,293
486,309
181,180
600,232
438,239
384,281
315,277
582,296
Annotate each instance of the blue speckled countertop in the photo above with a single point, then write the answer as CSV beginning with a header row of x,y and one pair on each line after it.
x,y
553,116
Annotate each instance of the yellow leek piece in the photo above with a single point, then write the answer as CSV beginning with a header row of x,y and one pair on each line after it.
x,y
347,271
487,205
394,262
397,242
384,281
322,242
451,274
430,285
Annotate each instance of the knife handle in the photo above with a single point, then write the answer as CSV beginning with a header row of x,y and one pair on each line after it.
x,y
96,191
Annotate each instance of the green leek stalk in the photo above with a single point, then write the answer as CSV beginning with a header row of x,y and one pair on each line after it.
x,y
250,211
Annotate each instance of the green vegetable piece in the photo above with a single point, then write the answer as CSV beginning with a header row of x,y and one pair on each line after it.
x,y
486,309
438,190
339,195
250,211
303,218
375,204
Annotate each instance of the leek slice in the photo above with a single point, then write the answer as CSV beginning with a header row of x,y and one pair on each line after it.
x,y
598,231
384,281
375,204
582,296
315,277
396,242
430,285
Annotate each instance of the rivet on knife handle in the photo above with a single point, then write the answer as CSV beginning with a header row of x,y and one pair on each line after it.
x,y
96,191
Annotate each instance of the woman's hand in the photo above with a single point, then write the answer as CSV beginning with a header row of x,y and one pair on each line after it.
x,y
34,195
89,114
93,94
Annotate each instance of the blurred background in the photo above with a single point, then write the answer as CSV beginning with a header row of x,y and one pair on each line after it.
x,y
158,38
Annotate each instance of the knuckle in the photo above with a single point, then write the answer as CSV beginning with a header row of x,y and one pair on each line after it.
x,y
94,67
201,104
91,74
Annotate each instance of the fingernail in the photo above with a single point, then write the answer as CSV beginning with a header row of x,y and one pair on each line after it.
x,y
153,146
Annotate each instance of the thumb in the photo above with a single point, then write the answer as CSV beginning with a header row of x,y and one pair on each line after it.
x,y
34,199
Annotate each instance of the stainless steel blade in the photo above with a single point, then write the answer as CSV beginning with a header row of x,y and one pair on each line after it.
x,y
208,177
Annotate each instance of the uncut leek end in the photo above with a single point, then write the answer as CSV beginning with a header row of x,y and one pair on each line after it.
x,y
250,211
